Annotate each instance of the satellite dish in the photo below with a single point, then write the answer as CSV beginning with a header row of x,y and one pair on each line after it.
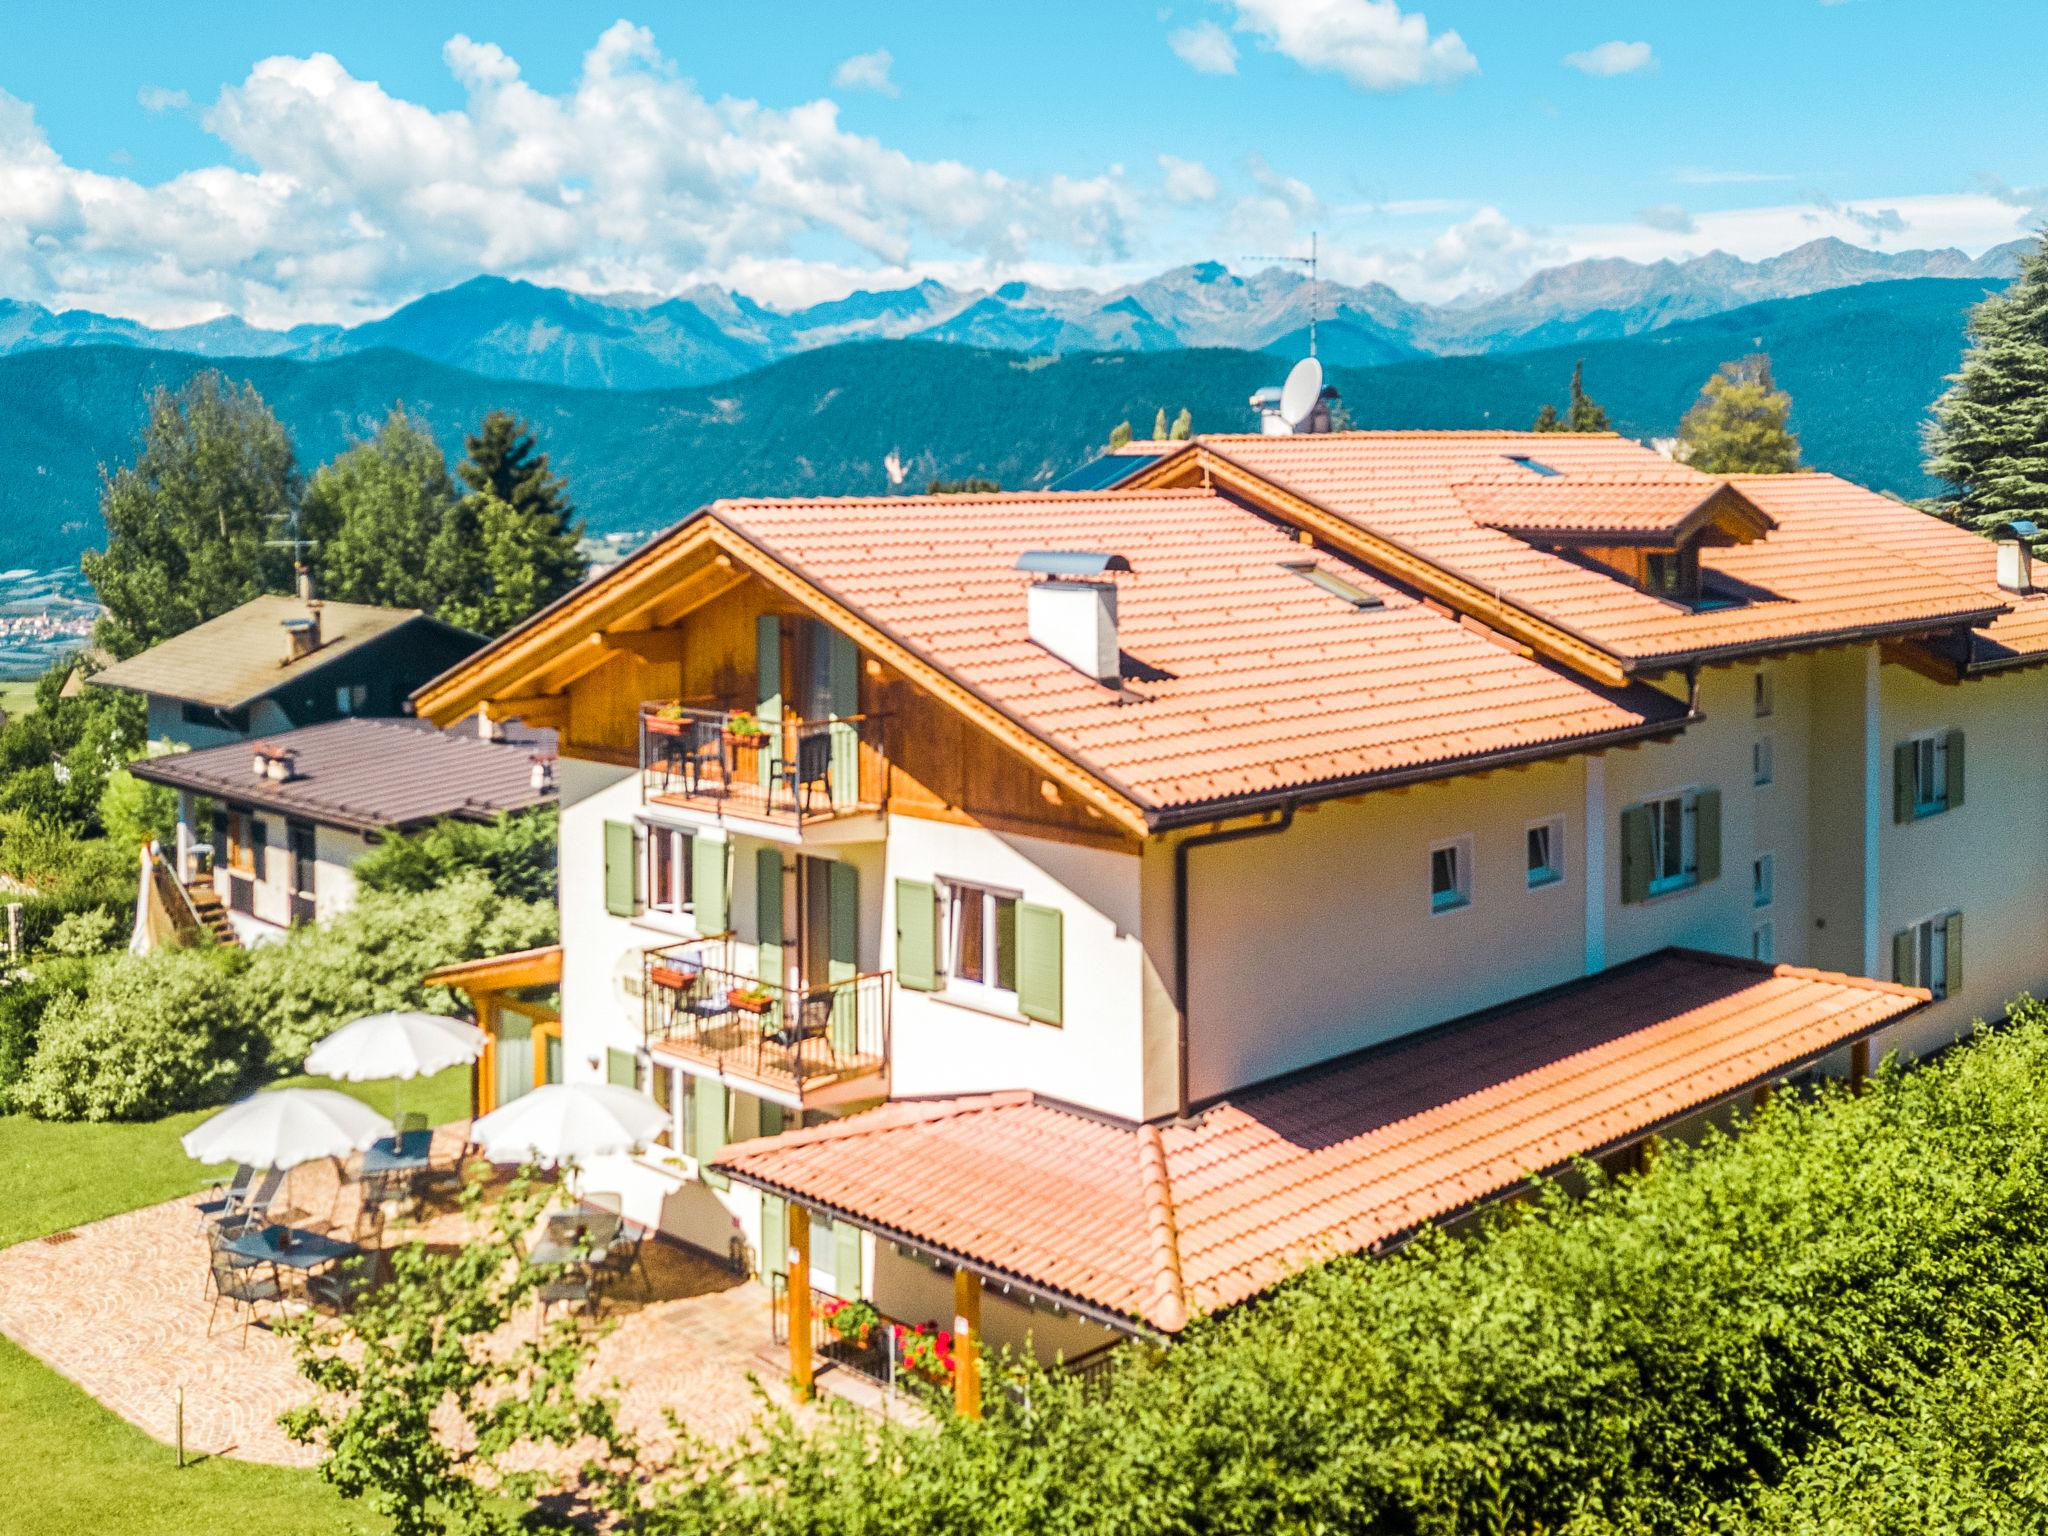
x,y
1298,396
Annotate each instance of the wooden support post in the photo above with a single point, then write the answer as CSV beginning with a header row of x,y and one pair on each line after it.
x,y
1761,1098
967,1343
800,1301
1859,1066
1646,1154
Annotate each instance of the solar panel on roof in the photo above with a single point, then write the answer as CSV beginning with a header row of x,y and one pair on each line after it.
x,y
1099,474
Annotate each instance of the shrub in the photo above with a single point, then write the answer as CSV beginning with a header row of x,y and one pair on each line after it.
x,y
148,1035
370,959
24,996
516,853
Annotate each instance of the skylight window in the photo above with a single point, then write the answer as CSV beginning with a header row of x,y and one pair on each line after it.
x,y
1534,466
1336,586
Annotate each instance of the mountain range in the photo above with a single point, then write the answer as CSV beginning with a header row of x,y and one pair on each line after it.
x,y
1862,364
515,331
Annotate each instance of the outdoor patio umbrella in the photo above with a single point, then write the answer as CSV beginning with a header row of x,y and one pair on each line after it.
x,y
395,1045
286,1127
570,1123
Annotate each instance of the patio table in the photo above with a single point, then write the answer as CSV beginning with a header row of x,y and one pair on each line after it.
x,y
291,1247
401,1154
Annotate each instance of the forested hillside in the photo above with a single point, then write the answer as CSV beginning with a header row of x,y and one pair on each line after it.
x,y
1862,365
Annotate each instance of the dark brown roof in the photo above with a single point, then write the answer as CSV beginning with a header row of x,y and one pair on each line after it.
x,y
369,775
239,657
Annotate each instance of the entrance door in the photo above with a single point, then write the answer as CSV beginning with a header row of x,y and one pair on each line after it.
x,y
299,838
831,939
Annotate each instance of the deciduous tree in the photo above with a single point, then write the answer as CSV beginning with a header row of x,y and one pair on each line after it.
x,y
1740,423
373,514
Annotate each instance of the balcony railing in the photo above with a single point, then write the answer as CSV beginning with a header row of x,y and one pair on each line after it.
x,y
787,770
804,1040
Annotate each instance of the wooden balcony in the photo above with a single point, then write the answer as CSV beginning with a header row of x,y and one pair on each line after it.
x,y
790,772
827,1044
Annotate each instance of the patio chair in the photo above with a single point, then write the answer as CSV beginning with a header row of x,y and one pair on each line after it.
x,y
339,1289
443,1173
575,1289
239,1284
813,767
702,750
223,1198
622,1257
813,1020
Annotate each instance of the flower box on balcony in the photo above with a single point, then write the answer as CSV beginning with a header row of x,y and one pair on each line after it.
x,y
669,720
751,999
674,977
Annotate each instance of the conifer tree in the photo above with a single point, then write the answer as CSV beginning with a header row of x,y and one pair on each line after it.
x,y
1738,426
1119,434
1585,414
1183,426
510,546
1159,426
1989,435
1547,419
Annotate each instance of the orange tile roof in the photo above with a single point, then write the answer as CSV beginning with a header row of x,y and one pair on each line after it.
x,y
1828,507
1632,507
1802,585
1247,680
1160,1222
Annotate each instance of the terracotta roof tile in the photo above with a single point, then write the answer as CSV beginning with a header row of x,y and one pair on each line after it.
x,y
1245,676
1804,581
1162,1222
1629,506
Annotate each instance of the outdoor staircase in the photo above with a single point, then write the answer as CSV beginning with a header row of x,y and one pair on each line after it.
x,y
212,914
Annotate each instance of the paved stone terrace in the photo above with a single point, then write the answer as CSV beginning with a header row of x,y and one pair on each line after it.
x,y
120,1306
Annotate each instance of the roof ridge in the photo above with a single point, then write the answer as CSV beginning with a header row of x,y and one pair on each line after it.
x,y
1166,1303
896,1114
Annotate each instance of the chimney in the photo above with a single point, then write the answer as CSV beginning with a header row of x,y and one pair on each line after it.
x,y
488,729
1071,609
543,775
302,574
278,764
2015,555
302,636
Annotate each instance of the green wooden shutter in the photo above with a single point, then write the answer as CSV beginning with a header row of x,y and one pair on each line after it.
x,y
1635,853
774,1236
774,1118
1041,965
842,689
621,1067
768,915
842,962
709,1128
1953,930
1706,834
846,1259
768,695
707,884
917,935
1955,769
621,870
1902,782
259,849
1902,956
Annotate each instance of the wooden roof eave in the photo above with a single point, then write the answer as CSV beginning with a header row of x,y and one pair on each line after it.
x,y
501,973
526,656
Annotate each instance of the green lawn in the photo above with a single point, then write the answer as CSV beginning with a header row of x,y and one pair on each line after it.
x,y
76,1468
17,697
62,1174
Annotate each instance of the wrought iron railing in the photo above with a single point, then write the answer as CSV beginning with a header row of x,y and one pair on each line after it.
x,y
170,890
856,1337
799,1037
784,769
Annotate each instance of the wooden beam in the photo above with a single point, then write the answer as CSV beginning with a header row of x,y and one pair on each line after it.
x,y
659,645
536,709
966,1343
1760,1100
1859,1066
800,1370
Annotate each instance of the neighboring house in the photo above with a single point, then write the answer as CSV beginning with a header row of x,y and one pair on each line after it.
x,y
277,663
1120,899
269,832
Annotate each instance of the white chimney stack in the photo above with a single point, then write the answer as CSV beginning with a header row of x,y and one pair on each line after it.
x,y
1071,610
2015,556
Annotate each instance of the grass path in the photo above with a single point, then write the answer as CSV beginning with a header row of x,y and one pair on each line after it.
x,y
74,1468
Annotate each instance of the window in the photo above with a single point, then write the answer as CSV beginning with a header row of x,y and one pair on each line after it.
x,y
1545,851
1450,875
349,698
1674,842
1672,573
1930,780
1930,954
1760,761
1534,466
1763,943
981,938
1763,696
1333,584
670,871
1762,878
232,720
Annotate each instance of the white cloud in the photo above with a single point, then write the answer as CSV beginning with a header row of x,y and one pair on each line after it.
x,y
1615,58
1670,217
867,72
348,200
157,98
1187,181
1371,43
1971,221
1204,47
1697,176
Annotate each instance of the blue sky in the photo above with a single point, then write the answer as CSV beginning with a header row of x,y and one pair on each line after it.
x,y
326,163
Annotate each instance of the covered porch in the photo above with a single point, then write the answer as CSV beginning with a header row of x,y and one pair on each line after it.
x,y
1141,1227
515,1000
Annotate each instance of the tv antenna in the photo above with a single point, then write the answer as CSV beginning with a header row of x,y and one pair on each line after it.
x,y
298,544
1314,288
